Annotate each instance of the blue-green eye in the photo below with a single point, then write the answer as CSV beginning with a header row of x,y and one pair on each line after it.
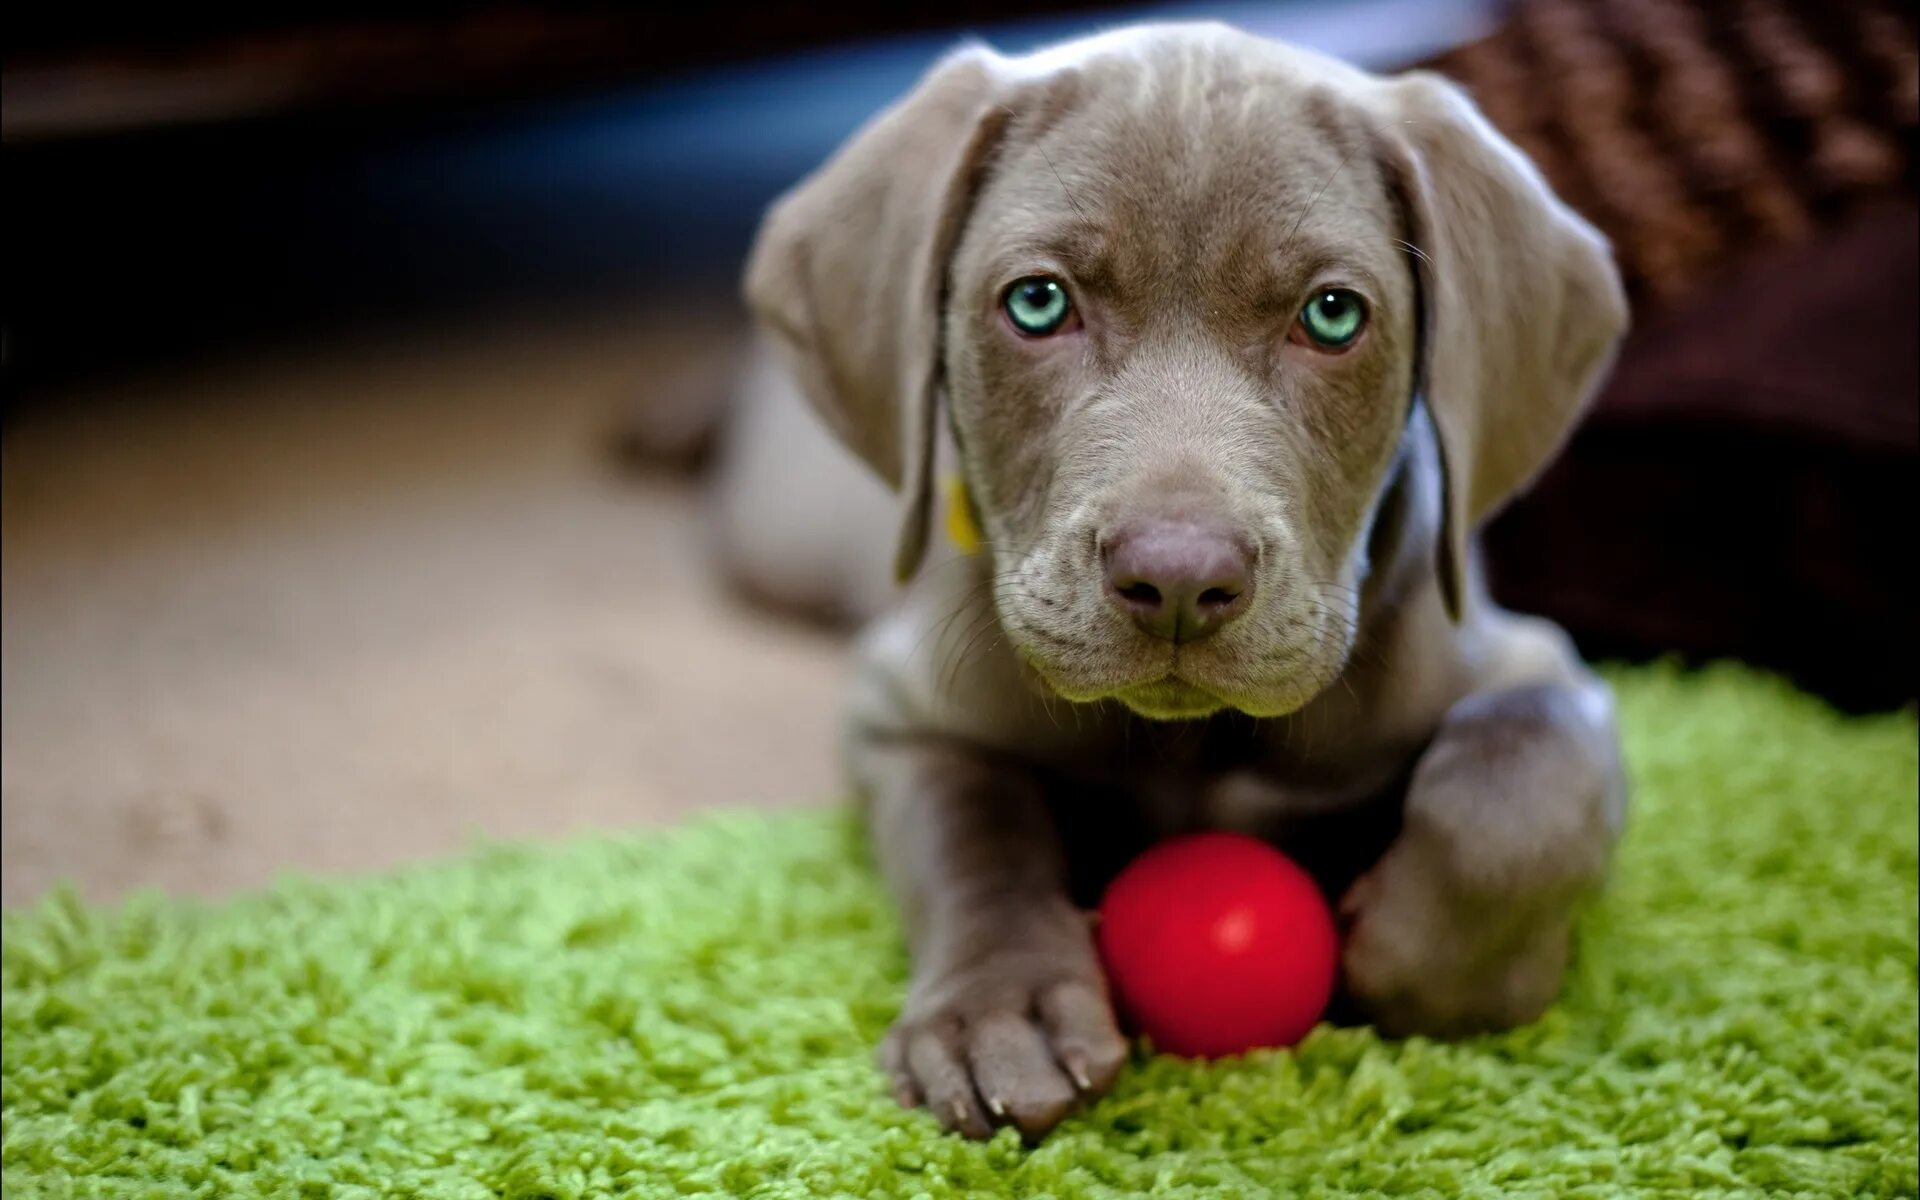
x,y
1334,318
1037,305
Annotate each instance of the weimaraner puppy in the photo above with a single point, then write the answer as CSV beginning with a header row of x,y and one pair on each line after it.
x,y
1233,346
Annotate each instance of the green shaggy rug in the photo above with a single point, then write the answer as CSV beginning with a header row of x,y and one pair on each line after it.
x,y
693,1014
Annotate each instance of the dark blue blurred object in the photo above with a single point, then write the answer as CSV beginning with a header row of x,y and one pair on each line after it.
x,y
186,241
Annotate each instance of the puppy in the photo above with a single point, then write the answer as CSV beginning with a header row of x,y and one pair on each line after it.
x,y
1233,347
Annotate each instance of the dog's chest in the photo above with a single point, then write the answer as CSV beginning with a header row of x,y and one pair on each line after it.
x,y
1334,809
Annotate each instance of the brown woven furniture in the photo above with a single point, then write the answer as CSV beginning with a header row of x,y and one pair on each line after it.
x,y
1745,484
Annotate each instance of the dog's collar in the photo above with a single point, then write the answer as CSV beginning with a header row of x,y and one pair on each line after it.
x,y
962,528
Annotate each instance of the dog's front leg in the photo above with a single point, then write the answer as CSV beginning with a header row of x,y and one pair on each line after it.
x,y
1007,1020
1511,817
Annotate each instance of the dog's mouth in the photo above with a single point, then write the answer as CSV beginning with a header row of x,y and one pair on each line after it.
x,y
1165,696
1170,687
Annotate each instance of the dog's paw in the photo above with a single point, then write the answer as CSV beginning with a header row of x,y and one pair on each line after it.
x,y
1423,957
1004,1043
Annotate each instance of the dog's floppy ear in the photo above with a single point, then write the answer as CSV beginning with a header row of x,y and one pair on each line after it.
x,y
1522,304
849,266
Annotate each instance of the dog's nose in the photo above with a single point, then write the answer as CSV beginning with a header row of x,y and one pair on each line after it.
x,y
1180,579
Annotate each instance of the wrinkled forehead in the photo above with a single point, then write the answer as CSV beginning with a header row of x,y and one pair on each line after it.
x,y
1142,168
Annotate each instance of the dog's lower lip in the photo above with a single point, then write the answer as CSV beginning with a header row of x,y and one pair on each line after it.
x,y
1171,695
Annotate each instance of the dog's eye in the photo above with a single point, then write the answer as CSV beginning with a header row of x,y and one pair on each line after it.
x,y
1037,305
1332,319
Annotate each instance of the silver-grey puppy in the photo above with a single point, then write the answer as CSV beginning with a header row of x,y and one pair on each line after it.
x,y
1234,346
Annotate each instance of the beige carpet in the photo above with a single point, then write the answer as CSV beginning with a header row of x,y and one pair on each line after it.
x,y
342,610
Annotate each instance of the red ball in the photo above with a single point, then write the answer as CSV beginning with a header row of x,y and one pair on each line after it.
x,y
1216,943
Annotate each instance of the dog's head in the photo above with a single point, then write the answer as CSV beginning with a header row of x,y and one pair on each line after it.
x,y
1181,289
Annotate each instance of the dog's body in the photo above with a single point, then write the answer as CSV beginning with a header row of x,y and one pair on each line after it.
x,y
1228,578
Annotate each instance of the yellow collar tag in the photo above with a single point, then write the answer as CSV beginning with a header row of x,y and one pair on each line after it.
x,y
960,527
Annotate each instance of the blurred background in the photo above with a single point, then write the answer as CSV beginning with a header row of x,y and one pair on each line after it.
x,y
360,361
